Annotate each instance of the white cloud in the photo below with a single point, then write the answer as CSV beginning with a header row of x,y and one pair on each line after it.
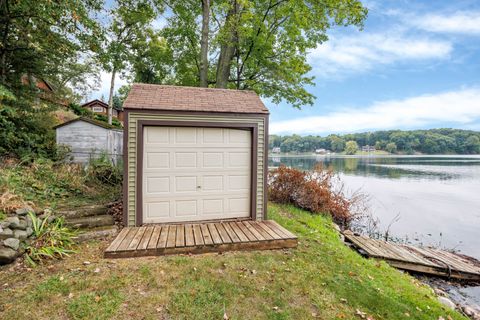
x,y
460,107
460,22
362,52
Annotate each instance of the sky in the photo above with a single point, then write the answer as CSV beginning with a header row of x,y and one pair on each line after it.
x,y
415,65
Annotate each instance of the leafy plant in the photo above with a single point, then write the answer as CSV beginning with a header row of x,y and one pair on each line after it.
x,y
101,169
51,240
318,191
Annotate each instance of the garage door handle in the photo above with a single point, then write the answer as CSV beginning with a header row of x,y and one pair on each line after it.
x,y
199,187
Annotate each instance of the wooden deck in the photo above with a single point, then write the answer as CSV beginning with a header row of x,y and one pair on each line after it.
x,y
424,260
153,240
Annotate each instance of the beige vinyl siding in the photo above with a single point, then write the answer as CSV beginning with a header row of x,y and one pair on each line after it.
x,y
132,151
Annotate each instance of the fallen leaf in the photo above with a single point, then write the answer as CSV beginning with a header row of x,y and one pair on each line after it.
x,y
97,298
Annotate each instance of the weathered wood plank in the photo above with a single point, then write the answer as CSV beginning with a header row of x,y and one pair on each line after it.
x,y
197,233
172,235
245,231
189,239
231,233
268,230
118,240
223,233
145,238
254,231
278,227
265,234
180,241
214,233
162,240
128,238
207,238
238,232
152,244
136,240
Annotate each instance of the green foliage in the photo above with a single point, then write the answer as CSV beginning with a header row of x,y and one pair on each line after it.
x,y
263,45
433,141
101,169
351,147
51,240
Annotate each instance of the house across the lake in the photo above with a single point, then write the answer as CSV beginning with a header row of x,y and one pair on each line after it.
x,y
98,106
368,148
276,150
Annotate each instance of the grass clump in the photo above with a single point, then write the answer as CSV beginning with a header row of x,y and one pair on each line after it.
x,y
51,240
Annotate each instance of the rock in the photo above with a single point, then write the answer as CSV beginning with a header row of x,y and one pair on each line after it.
x,y
47,211
447,302
12,243
7,255
24,211
20,234
22,224
4,224
29,221
29,231
13,222
6,233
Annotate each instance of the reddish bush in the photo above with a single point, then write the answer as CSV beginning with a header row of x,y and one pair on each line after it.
x,y
318,191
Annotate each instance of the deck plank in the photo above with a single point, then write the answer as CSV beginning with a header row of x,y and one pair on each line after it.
x,y
128,238
172,236
197,233
278,227
245,231
136,240
223,233
233,236
145,238
265,234
254,231
189,239
162,239
207,238
242,237
214,233
272,233
152,243
118,240
180,240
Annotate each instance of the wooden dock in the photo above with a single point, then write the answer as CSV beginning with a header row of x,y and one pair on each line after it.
x,y
422,260
153,240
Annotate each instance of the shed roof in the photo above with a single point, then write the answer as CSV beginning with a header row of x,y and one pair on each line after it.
x,y
172,98
92,121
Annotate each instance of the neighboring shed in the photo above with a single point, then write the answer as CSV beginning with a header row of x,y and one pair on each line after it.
x,y
194,154
88,138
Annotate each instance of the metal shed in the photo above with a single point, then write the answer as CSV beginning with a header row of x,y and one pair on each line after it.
x,y
89,138
194,154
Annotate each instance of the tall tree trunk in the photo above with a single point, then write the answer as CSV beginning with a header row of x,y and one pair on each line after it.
x,y
204,43
110,96
227,49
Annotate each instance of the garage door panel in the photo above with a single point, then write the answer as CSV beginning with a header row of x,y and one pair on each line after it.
x,y
158,160
240,182
186,160
213,206
156,185
186,208
239,159
201,174
185,135
186,184
212,183
157,210
158,135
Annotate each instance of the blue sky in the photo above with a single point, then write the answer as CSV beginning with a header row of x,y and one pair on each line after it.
x,y
415,65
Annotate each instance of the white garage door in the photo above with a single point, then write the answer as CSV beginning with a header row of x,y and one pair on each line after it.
x,y
192,174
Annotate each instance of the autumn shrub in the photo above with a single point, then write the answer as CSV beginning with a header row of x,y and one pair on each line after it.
x,y
318,191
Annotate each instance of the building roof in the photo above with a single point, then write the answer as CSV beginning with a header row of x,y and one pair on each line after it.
x,y
172,98
96,101
92,121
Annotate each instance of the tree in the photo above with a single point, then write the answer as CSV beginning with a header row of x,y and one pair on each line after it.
x,y
391,147
259,45
127,28
351,147
337,144
472,144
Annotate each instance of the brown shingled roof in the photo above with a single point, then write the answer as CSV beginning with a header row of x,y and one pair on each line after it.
x,y
160,97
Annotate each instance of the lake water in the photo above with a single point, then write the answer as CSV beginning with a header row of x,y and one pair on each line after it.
x,y
436,198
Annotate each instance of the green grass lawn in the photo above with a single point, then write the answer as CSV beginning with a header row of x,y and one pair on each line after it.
x,y
321,279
